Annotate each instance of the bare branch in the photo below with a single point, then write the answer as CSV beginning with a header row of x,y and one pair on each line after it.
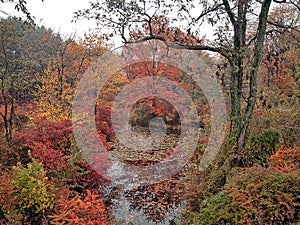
x,y
296,5
282,25
279,1
229,12
222,51
203,14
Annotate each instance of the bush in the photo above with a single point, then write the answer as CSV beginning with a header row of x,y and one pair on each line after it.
x,y
260,147
49,142
32,188
90,211
253,196
26,192
286,159
53,134
257,195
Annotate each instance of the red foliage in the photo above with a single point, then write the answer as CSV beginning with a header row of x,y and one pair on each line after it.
x,y
286,159
48,141
52,159
204,140
103,124
51,133
257,113
6,194
90,211
88,178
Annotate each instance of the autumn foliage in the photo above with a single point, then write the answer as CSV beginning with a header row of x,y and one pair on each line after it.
x,y
88,210
49,141
269,195
286,159
27,192
46,179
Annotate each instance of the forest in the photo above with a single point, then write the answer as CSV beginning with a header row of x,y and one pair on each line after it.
x,y
171,128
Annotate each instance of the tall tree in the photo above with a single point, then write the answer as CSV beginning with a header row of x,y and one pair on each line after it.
x,y
241,27
15,72
24,56
67,61
280,60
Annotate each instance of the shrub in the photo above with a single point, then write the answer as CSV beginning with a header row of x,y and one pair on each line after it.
x,y
83,175
286,159
260,147
33,191
52,159
103,122
253,196
54,134
49,142
7,203
257,195
26,192
90,211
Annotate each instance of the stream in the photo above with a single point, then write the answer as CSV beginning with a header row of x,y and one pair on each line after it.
x,y
133,202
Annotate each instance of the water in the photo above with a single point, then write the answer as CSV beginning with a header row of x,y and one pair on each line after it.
x,y
142,204
133,196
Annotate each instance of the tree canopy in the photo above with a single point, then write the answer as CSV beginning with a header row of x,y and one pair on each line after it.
x,y
240,30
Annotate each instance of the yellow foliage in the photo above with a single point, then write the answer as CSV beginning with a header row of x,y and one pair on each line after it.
x,y
33,190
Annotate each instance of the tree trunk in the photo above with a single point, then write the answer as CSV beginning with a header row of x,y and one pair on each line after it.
x,y
239,118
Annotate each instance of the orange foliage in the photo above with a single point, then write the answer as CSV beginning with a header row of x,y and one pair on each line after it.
x,y
90,211
286,159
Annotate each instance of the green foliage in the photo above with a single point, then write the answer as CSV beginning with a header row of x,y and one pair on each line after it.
x,y
289,136
32,188
253,196
212,208
287,122
260,147
266,143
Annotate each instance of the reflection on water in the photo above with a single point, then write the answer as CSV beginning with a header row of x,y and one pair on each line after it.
x,y
124,213
132,203
141,192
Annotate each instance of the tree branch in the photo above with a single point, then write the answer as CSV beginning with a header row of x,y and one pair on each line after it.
x,y
279,1
229,12
261,32
296,5
282,26
207,12
222,51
